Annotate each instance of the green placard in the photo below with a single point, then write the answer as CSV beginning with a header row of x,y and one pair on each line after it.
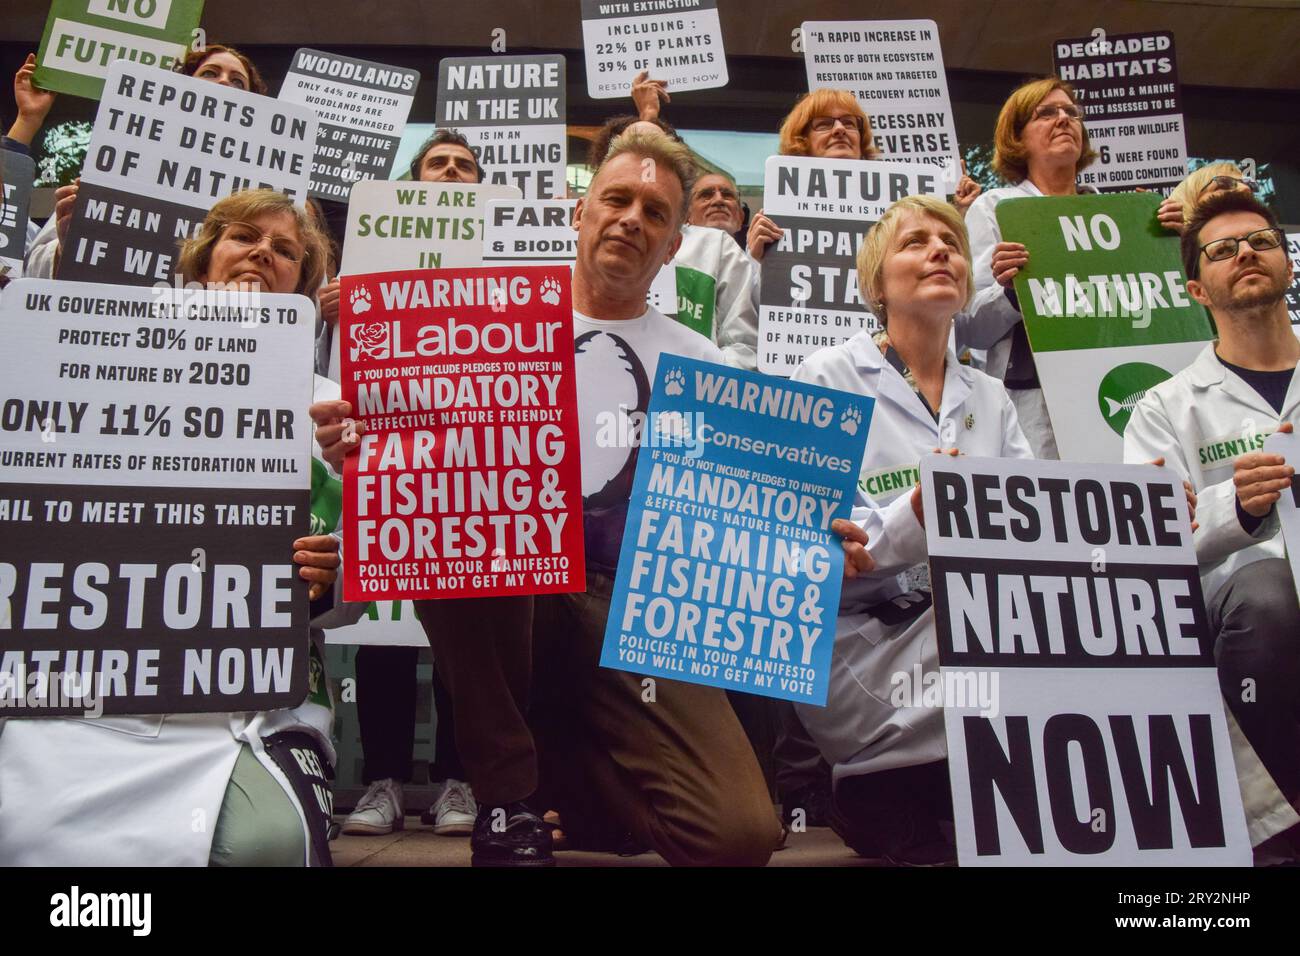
x,y
1102,273
82,37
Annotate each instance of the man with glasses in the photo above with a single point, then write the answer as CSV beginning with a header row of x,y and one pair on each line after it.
x,y
1209,423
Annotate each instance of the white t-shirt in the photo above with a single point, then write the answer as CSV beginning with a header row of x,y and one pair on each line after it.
x,y
615,362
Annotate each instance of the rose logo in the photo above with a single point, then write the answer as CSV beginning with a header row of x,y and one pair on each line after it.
x,y
370,340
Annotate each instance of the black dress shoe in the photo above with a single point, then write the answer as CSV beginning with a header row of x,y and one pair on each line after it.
x,y
510,835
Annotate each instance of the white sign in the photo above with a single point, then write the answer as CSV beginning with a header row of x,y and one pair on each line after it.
x,y
512,111
678,41
808,294
395,225
1072,593
895,69
534,233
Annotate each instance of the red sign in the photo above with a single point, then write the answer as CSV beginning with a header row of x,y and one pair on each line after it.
x,y
466,482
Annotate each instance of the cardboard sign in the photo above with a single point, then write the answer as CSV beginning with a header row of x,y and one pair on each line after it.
x,y
895,69
155,475
809,297
362,107
83,38
1288,506
1127,87
165,148
729,575
467,482
1082,707
512,111
19,174
530,233
1107,310
680,42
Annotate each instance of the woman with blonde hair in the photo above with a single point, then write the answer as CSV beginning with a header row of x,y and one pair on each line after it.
x,y
1040,147
1177,210
891,797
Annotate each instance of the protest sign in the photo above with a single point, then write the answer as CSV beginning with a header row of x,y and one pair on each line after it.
x,y
1288,506
808,294
1072,592
384,624
83,38
512,111
895,70
165,148
466,483
1127,87
1106,308
403,225
530,233
155,476
19,173
729,574
679,42
394,226
1293,293
362,107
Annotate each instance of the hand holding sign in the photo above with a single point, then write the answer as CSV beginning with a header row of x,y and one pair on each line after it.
x,y
1008,259
336,433
1261,477
857,559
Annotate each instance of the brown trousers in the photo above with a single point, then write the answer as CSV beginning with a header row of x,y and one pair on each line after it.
x,y
665,761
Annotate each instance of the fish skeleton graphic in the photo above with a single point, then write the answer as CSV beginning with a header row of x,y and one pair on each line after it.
x,y
1128,404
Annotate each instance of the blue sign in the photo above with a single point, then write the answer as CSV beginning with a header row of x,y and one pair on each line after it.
x,y
729,574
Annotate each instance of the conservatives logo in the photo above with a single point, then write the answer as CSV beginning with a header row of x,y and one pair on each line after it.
x,y
1122,388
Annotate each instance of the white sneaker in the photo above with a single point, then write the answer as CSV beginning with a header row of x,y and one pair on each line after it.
x,y
455,810
380,811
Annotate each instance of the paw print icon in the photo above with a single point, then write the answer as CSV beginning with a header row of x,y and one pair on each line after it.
x,y
674,382
850,420
550,292
360,300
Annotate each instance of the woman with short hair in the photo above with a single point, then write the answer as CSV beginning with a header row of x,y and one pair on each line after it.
x,y
891,797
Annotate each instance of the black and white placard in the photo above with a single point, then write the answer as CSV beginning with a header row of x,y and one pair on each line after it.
x,y
678,41
1084,719
895,69
530,233
362,107
165,148
153,478
512,111
1127,86
19,173
808,296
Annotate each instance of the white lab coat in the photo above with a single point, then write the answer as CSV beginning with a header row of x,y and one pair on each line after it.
x,y
136,791
859,730
991,330
715,254
1200,421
